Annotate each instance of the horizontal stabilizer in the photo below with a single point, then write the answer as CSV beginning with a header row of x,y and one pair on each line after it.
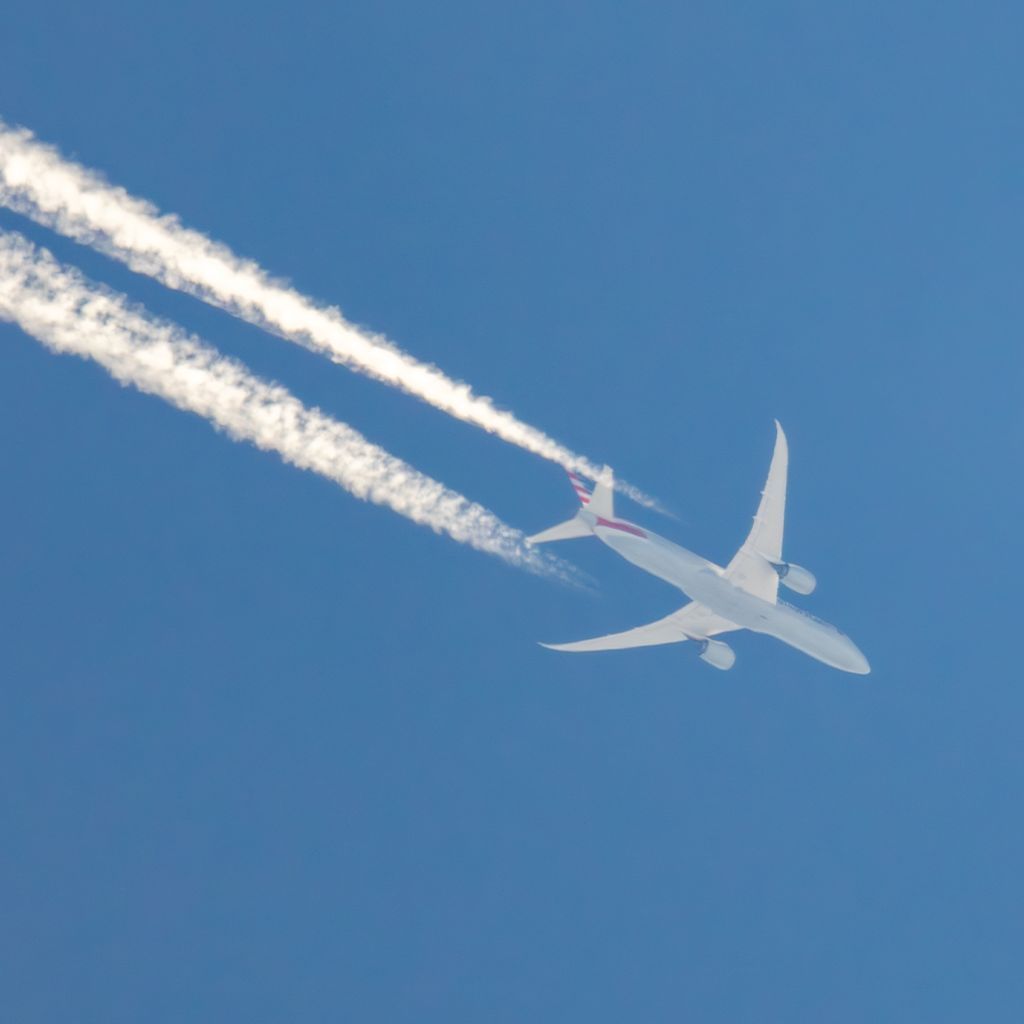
x,y
568,530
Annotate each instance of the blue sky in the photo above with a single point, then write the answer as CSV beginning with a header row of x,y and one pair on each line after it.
x,y
270,753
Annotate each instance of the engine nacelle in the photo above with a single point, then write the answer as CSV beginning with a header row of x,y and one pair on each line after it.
x,y
796,577
716,653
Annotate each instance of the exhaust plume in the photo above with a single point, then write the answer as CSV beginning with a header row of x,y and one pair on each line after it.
x,y
37,181
69,314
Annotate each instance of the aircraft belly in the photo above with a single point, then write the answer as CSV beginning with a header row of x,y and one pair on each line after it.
x,y
643,554
817,639
660,558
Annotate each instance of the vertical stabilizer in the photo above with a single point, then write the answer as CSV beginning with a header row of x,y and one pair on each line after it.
x,y
597,504
602,500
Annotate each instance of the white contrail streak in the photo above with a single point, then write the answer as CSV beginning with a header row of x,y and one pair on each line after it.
x,y
37,181
67,313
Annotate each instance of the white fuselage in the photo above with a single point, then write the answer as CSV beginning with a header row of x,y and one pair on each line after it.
x,y
705,582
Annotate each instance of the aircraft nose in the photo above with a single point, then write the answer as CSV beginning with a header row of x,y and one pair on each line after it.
x,y
856,662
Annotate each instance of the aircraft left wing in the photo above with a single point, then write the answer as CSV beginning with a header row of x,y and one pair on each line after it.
x,y
691,622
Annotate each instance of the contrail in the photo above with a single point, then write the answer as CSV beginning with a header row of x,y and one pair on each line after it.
x,y
37,181
69,314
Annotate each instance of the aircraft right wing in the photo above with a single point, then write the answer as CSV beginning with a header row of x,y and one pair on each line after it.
x,y
691,622
751,567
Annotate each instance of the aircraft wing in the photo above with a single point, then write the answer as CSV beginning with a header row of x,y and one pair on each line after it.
x,y
692,622
751,569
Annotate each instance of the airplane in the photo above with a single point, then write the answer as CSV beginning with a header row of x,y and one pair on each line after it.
x,y
743,595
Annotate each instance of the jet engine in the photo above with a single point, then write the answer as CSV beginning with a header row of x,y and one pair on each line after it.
x,y
716,653
796,577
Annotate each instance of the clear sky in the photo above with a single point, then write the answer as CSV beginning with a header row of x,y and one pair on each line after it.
x,y
268,753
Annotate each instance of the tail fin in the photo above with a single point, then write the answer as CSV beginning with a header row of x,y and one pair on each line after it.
x,y
599,502
580,487
602,500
